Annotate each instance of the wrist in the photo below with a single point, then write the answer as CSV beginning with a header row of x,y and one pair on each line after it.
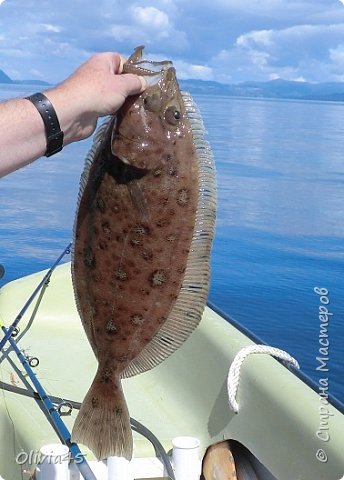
x,y
53,132
74,121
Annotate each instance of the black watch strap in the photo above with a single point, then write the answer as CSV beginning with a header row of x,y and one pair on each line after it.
x,y
51,123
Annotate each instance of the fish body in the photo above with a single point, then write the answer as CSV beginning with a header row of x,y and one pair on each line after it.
x,y
143,233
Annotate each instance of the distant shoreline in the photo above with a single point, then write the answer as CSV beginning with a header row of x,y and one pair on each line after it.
x,y
273,89
6,80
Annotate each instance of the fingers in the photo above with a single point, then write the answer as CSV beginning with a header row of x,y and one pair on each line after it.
x,y
103,86
133,84
120,67
143,84
121,63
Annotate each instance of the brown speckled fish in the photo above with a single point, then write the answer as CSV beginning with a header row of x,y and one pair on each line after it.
x,y
143,235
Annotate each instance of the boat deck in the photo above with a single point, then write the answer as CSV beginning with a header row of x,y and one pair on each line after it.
x,y
185,395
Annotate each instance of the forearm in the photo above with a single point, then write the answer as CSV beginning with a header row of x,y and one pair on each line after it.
x,y
22,135
96,88
22,131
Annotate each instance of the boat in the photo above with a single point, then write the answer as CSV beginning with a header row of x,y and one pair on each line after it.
x,y
278,425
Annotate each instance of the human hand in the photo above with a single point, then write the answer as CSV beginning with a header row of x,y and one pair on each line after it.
x,y
95,89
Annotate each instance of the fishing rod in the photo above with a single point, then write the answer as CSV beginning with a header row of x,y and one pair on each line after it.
x,y
45,280
60,426
135,424
41,394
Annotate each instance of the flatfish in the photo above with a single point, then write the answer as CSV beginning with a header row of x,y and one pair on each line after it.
x,y
143,234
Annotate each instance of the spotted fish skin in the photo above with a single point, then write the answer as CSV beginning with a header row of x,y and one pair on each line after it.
x,y
135,241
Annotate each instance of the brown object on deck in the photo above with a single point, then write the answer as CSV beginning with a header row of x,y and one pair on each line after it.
x,y
218,463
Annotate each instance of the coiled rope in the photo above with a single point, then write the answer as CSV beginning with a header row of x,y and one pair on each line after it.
x,y
235,368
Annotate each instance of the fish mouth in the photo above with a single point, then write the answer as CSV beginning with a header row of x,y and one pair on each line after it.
x,y
169,77
152,71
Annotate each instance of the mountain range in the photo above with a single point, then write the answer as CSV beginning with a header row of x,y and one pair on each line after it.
x,y
279,88
4,78
272,89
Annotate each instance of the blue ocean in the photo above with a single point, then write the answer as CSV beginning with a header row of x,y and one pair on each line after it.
x,y
278,254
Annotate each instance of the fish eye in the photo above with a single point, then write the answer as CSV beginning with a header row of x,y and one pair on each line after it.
x,y
173,115
152,103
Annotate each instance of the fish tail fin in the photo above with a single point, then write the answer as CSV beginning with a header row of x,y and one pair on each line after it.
x,y
103,422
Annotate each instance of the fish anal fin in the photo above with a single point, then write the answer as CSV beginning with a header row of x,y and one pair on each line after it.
x,y
103,422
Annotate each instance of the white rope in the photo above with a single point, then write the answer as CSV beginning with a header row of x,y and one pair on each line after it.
x,y
234,370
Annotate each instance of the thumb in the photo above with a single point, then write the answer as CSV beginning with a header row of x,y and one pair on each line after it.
x,y
132,84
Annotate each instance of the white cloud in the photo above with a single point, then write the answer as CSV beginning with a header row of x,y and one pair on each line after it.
x,y
189,70
252,6
35,73
126,32
42,28
262,37
307,52
225,40
337,54
152,26
300,79
156,28
51,28
151,17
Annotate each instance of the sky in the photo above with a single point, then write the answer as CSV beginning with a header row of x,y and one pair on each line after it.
x,y
229,41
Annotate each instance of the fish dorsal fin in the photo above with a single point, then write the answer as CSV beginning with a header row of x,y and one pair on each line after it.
x,y
97,145
187,311
95,150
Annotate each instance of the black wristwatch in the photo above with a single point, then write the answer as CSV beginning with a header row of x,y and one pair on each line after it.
x,y
51,123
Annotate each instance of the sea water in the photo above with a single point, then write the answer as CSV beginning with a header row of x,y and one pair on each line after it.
x,y
278,254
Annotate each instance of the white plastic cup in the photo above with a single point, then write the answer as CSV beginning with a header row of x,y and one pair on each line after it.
x,y
53,464
119,468
185,458
74,473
